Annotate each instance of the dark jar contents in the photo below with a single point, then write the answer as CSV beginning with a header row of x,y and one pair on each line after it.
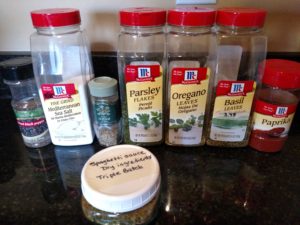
x,y
121,185
275,105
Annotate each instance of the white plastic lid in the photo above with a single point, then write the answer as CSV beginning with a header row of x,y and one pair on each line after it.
x,y
120,178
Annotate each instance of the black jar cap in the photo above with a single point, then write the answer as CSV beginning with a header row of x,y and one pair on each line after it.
x,y
15,69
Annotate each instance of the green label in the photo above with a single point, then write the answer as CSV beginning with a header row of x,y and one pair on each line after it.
x,y
24,114
106,113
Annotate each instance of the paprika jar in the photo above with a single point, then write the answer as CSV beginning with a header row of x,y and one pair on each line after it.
x,y
189,43
121,185
241,47
275,105
141,52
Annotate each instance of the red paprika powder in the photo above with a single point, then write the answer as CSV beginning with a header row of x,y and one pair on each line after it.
x,y
275,105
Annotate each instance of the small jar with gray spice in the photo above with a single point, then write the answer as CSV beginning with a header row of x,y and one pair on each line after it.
x,y
106,110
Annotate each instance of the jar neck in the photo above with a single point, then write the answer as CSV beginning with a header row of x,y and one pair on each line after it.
x,y
22,89
234,30
58,30
193,30
142,30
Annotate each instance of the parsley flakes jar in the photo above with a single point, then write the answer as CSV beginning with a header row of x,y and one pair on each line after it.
x,y
120,185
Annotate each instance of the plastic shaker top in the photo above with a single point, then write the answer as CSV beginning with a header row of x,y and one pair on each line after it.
x,y
143,16
16,69
56,17
191,16
103,86
281,73
241,17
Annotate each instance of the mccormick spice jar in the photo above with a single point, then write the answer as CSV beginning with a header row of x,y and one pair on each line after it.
x,y
18,75
120,185
107,115
62,68
275,105
189,43
240,48
141,49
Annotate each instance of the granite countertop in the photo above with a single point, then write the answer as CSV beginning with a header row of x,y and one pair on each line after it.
x,y
199,185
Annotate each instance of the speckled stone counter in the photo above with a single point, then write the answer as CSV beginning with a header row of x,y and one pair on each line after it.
x,y
199,185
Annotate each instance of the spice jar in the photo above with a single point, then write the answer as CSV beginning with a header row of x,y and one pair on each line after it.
x,y
275,105
120,185
18,75
62,69
241,46
141,49
105,101
189,43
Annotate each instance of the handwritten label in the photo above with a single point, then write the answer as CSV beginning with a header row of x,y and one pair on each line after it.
x,y
115,166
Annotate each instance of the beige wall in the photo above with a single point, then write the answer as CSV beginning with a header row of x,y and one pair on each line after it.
x,y
100,19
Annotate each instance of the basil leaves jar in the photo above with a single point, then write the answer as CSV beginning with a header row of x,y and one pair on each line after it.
x,y
120,185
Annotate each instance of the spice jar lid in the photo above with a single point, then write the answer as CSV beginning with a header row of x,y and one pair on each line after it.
x,y
56,17
120,178
191,16
241,17
281,73
103,86
143,16
15,69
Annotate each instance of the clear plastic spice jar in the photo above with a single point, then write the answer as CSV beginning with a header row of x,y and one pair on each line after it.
x,y
241,47
62,68
107,115
120,185
275,105
18,75
141,51
189,44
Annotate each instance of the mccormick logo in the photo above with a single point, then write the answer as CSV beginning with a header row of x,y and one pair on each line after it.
x,y
144,72
281,111
190,75
59,90
237,88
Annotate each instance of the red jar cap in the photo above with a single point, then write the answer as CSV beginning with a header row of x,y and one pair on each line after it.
x,y
281,73
56,17
142,17
241,17
192,16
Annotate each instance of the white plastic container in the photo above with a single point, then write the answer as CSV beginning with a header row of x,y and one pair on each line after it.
x,y
120,185
62,68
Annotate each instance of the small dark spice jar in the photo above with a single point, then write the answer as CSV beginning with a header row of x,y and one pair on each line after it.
x,y
107,114
121,185
275,105
18,75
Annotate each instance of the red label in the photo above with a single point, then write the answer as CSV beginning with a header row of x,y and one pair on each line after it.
x,y
234,88
58,90
32,123
141,73
188,75
276,111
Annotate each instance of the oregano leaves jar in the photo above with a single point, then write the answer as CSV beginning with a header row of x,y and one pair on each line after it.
x,y
121,185
106,110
